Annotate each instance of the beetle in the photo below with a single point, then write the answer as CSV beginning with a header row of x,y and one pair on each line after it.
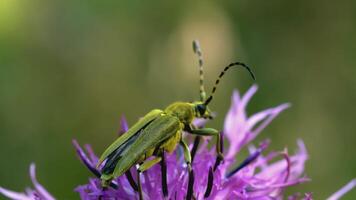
x,y
160,131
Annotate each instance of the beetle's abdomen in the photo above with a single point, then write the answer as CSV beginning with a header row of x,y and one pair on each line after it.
x,y
171,144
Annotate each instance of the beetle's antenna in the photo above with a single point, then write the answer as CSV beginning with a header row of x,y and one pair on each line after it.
x,y
197,51
207,101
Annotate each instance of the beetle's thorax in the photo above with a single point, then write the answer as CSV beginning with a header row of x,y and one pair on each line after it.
x,y
182,110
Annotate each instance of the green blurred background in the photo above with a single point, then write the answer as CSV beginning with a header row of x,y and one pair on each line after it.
x,y
70,69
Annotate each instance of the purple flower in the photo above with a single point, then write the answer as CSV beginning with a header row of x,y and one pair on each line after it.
x,y
257,177
260,176
38,193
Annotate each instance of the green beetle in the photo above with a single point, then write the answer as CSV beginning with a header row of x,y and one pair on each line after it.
x,y
160,131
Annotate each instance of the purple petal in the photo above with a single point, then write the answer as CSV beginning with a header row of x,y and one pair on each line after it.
x,y
39,188
240,130
248,95
237,111
308,196
253,156
92,156
266,117
271,177
299,160
14,195
83,157
124,127
234,126
246,131
348,187
290,183
297,165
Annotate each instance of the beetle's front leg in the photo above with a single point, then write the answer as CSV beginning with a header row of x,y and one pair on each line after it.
x,y
219,145
187,156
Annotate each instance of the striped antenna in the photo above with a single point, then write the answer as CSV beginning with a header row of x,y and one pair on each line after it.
x,y
239,64
197,51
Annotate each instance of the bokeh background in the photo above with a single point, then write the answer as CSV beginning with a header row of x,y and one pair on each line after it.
x,y
70,69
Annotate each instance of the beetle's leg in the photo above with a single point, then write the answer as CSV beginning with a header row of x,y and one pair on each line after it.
x,y
105,180
143,167
195,147
188,160
204,132
212,132
164,175
219,147
187,156
131,180
139,185
148,164
189,128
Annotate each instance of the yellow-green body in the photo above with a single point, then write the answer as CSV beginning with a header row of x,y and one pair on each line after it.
x,y
159,131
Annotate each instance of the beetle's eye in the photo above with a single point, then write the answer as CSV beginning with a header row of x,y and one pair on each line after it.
x,y
201,109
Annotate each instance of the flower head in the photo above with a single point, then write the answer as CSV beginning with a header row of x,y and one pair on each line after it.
x,y
255,178
260,176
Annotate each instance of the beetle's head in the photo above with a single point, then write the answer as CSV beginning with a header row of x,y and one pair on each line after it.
x,y
201,110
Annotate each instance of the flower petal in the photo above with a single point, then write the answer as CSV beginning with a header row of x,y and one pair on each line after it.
x,y
124,127
348,187
247,96
86,161
241,130
39,188
14,195
265,117
297,164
